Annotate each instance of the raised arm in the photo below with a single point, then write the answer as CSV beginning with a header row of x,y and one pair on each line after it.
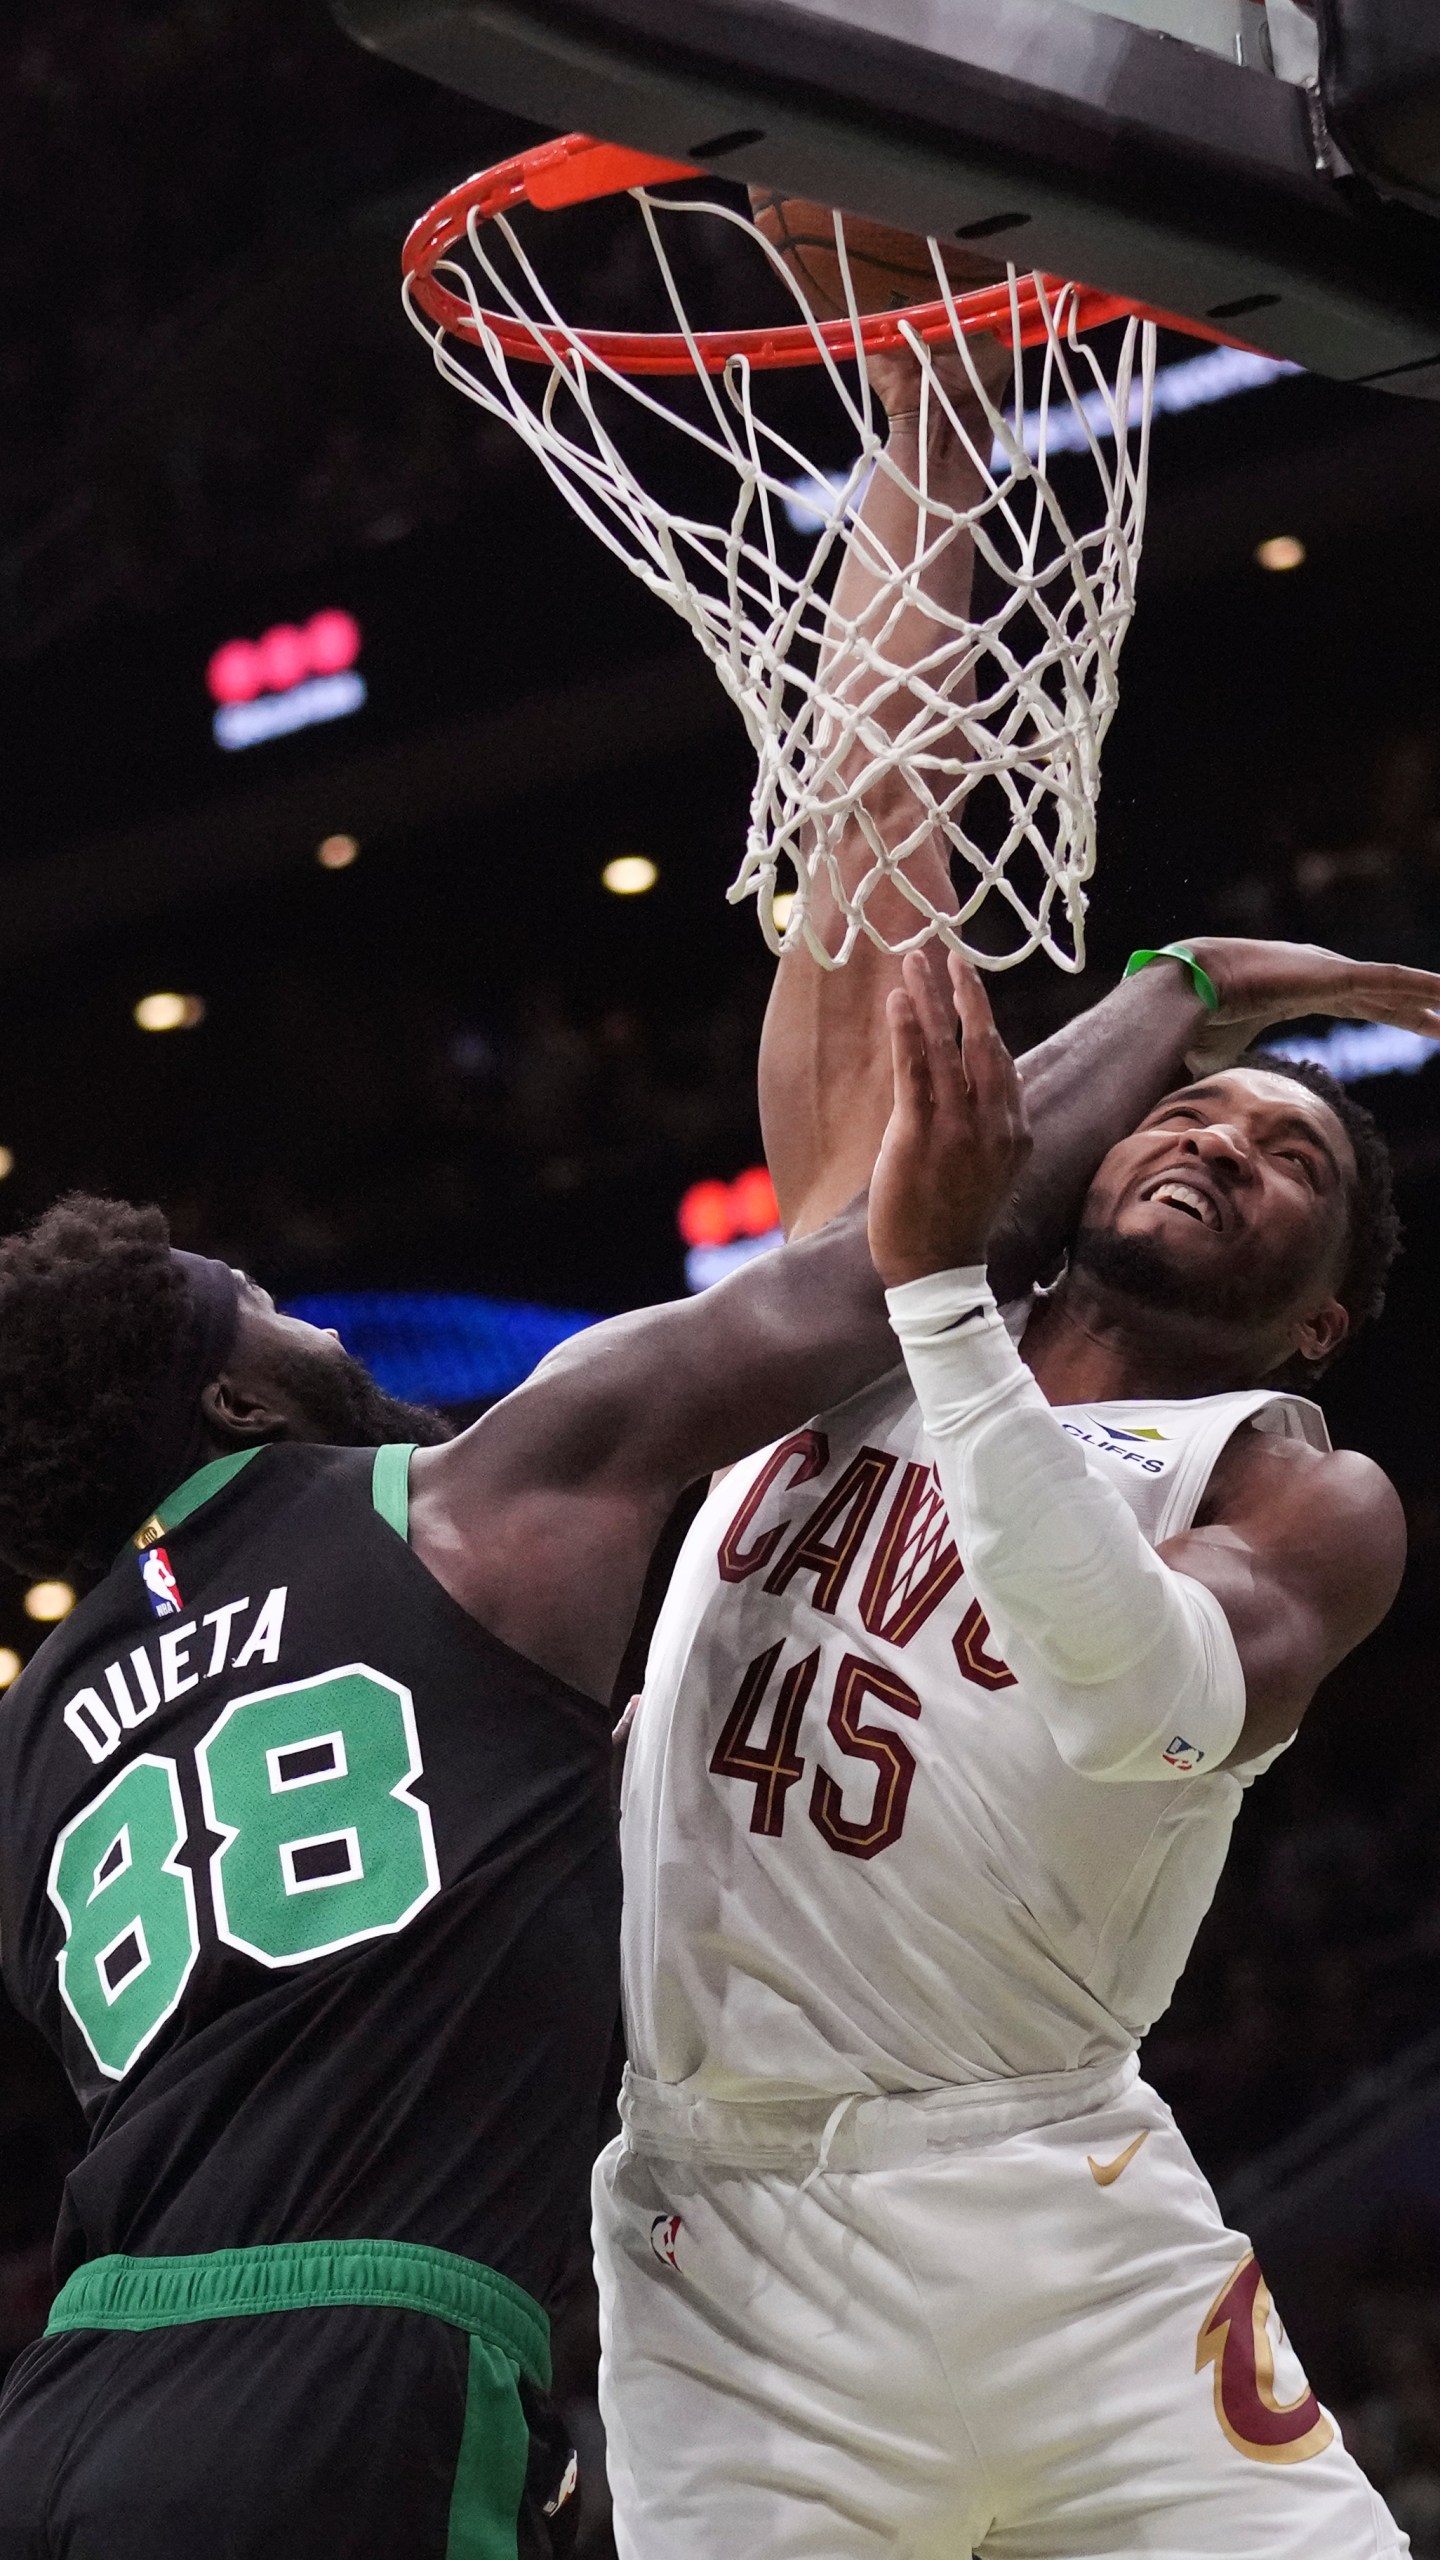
x,y
1143,1665
541,1519
1087,1086
825,1084
824,1078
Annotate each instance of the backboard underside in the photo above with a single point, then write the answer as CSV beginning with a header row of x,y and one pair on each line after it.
x,y
1090,143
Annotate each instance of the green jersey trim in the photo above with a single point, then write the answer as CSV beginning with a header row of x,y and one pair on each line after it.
x,y
202,1487
309,2275
390,1485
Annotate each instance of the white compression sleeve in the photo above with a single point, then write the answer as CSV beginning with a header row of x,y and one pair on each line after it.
x,y
1131,1664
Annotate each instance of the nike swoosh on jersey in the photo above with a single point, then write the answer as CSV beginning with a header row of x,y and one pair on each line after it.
x,y
1105,2172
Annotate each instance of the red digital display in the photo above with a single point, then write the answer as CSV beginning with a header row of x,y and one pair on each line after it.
x,y
721,1212
284,656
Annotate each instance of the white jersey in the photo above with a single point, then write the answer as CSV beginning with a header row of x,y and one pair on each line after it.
x,y
855,1862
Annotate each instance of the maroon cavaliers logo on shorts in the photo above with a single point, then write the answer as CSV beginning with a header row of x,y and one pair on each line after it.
x,y
1235,2339
664,2232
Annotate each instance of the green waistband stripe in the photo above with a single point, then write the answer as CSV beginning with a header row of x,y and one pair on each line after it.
x,y
309,2275
493,2459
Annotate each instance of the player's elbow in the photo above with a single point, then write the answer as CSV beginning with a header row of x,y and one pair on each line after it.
x,y
1093,1756
1099,1746
1176,1711
1115,1755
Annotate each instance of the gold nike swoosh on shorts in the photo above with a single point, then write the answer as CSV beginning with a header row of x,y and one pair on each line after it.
x,y
1105,2172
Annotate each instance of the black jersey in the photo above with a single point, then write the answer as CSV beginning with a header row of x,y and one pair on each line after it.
x,y
313,1885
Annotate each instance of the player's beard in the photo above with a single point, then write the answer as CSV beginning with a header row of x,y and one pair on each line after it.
x,y
1137,1267
347,1410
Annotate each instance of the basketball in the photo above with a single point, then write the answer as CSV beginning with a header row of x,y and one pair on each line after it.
x,y
889,269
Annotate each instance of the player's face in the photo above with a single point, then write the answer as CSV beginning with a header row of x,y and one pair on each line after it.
x,y
304,1372
1232,1198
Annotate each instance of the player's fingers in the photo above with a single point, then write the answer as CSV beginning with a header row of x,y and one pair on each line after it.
x,y
994,1077
1384,991
1399,983
1409,998
1400,1017
929,997
989,1068
908,1061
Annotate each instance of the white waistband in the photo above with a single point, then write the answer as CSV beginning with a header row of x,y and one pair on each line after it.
x,y
667,2121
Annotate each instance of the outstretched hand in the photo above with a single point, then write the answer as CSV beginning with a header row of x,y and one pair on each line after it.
x,y
1261,983
957,1135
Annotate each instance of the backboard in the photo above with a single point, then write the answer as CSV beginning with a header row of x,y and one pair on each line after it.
x,y
1268,165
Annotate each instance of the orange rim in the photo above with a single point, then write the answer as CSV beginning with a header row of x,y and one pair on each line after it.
x,y
577,169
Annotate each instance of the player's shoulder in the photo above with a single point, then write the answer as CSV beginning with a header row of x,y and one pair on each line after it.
x,y
1339,1499
1256,1447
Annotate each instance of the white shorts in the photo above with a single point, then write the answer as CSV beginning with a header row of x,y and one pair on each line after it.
x,y
1005,2320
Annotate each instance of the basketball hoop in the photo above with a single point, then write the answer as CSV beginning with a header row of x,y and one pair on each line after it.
x,y
996,739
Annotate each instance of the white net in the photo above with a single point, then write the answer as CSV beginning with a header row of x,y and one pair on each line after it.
x,y
986,742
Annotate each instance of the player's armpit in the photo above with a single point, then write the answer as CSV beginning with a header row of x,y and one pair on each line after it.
x,y
824,1080
1304,1553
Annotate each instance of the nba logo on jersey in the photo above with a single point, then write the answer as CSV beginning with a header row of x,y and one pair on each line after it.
x,y
158,1576
1182,1754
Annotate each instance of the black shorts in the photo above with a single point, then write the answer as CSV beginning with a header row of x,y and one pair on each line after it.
x,y
338,2431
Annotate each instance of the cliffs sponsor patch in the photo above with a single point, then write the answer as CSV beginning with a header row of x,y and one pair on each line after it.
x,y
1135,1447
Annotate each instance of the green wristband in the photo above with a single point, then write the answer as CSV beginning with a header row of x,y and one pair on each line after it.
x,y
1205,987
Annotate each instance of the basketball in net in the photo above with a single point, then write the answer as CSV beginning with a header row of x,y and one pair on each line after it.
x,y
731,467
888,270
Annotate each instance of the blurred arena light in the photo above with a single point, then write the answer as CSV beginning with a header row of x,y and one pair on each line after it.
x,y
450,1350
49,1602
336,853
169,1012
434,1349
294,676
11,1665
1354,1050
1282,551
630,875
723,1224
1195,384
782,907
7,1162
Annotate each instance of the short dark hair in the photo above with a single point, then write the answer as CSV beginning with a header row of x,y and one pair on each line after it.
x,y
92,1312
1374,1238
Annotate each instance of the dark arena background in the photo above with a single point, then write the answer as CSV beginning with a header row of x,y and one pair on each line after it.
x,y
311,940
